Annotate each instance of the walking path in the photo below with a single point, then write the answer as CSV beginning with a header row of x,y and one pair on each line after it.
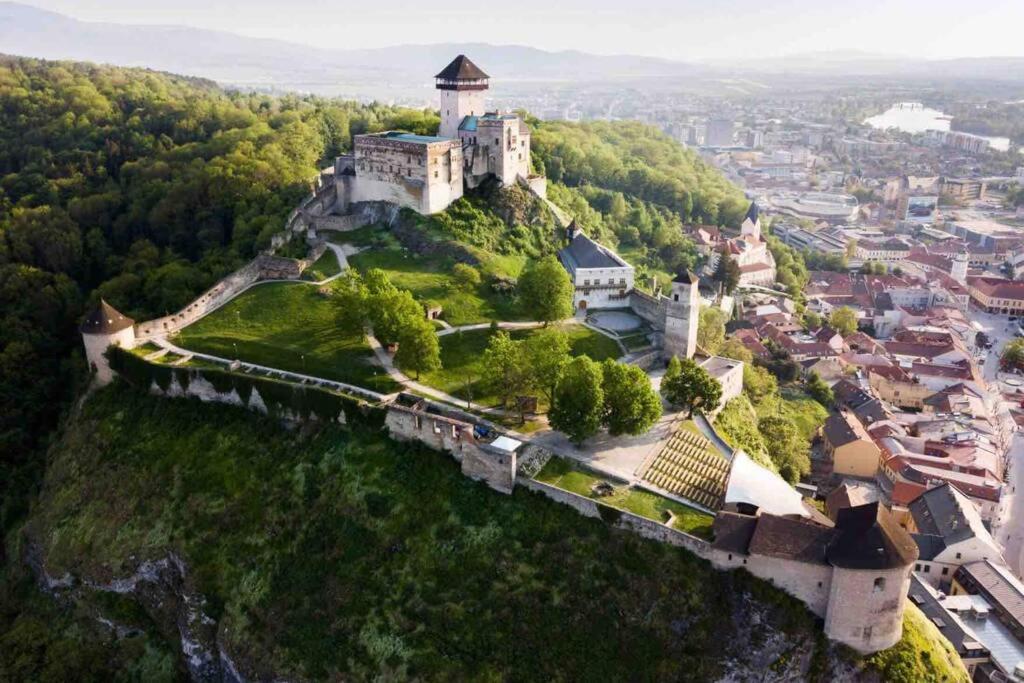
x,y
276,372
387,362
708,431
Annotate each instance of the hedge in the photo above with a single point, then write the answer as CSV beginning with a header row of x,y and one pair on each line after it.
x,y
282,399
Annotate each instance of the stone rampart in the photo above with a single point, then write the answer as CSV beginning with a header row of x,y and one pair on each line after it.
x,y
263,267
648,528
650,308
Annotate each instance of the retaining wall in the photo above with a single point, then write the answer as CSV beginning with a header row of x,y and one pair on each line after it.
x,y
650,308
648,528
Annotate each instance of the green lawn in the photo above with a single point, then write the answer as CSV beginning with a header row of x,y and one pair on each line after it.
x,y
143,350
462,356
570,476
324,267
289,326
429,280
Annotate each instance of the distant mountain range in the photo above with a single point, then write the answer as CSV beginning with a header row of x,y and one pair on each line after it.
x,y
387,71
230,58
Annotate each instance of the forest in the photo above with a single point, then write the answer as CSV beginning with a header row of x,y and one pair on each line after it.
x,y
145,188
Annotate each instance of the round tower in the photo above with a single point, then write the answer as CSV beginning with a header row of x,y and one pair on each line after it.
x,y
462,84
682,312
959,269
871,558
101,329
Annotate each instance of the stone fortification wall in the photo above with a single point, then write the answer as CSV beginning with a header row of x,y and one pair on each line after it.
x,y
650,308
621,519
264,267
455,436
213,298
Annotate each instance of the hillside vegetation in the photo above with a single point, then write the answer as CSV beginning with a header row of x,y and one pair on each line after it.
x,y
326,553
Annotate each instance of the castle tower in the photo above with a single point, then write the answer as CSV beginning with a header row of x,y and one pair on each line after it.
x,y
871,558
681,316
959,270
462,84
103,328
750,229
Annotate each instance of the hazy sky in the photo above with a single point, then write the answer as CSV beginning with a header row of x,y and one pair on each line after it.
x,y
680,29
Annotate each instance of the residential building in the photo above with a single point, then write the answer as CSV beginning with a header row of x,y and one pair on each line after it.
x,y
600,277
850,447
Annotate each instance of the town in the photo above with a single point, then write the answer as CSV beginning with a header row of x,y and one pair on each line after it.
x,y
901,331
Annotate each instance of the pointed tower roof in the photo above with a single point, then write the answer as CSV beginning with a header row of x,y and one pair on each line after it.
x,y
686,277
461,69
753,213
867,537
105,319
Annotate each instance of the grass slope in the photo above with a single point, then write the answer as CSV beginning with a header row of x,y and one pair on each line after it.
x,y
288,326
340,554
429,279
462,368
572,477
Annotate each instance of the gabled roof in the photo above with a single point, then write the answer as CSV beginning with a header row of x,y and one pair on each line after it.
x,y
461,69
867,537
791,539
105,319
947,513
584,252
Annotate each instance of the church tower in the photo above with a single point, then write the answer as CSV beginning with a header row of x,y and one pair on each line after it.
x,y
751,226
959,269
681,317
462,85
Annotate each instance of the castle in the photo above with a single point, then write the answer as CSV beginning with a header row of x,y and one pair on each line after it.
x,y
426,173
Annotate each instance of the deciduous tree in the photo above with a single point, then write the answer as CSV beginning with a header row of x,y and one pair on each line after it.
x,y
545,291
631,405
418,349
579,400
693,389
843,320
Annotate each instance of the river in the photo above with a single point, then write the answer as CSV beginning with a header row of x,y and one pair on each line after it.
x,y
914,117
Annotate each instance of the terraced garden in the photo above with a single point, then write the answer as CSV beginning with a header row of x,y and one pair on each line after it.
x,y
690,467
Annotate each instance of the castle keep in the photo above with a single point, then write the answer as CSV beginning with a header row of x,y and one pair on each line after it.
x,y
426,173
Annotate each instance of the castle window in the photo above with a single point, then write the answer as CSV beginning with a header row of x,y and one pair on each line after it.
x,y
675,297
879,585
819,584
958,556
435,174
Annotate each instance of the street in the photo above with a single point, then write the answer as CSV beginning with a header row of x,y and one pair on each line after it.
x,y
1008,527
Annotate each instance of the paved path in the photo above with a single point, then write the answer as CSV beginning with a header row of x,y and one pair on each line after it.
x,y
275,372
707,430
527,325
387,362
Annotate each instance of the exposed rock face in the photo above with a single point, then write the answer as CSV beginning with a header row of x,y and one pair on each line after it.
x,y
164,590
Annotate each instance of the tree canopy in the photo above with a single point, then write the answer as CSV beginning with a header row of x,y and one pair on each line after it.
x,y
579,400
689,386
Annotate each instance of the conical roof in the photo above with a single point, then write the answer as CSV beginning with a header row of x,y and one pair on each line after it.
x,y
461,69
105,319
867,537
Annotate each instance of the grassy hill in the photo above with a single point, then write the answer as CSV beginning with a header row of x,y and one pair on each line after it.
x,y
325,552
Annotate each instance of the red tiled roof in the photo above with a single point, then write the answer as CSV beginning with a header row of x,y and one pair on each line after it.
x,y
997,287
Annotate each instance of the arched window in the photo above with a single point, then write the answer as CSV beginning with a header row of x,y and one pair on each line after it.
x,y
879,585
